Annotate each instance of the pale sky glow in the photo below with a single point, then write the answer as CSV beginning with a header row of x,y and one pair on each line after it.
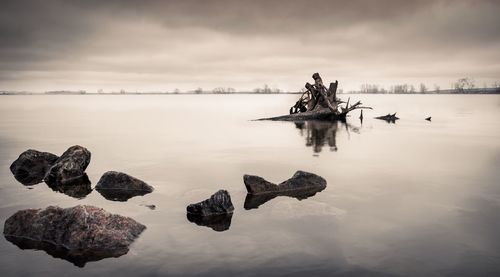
x,y
163,45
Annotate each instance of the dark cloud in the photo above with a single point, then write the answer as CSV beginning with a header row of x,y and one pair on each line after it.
x,y
168,43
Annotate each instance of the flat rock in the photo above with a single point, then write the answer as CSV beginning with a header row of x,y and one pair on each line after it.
x,y
219,203
31,166
78,234
301,180
118,186
69,167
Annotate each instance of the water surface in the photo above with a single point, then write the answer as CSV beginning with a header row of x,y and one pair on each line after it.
x,y
415,198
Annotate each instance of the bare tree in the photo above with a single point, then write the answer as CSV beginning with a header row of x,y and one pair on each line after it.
x,y
423,88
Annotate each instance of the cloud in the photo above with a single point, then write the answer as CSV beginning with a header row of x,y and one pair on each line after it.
x,y
161,45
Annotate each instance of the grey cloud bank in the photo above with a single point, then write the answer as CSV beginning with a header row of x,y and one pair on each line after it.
x,y
163,45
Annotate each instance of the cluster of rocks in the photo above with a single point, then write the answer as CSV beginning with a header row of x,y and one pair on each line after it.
x,y
66,174
216,212
82,233
86,233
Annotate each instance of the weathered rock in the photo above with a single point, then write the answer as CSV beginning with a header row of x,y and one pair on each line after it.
x,y
218,203
78,234
301,180
118,186
390,118
219,223
31,166
253,201
69,167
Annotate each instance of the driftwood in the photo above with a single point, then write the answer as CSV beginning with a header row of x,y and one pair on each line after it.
x,y
319,103
390,118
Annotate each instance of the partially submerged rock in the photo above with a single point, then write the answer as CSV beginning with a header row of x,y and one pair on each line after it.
x,y
390,118
79,234
219,203
31,166
69,167
302,185
219,223
118,186
301,180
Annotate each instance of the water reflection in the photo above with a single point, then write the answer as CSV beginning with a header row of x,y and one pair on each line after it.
x,y
218,223
77,257
318,134
253,201
78,188
120,195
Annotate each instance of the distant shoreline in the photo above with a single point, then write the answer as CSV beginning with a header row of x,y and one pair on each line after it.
x,y
480,91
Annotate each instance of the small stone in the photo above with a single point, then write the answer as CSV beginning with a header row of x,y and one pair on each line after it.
x,y
118,186
218,203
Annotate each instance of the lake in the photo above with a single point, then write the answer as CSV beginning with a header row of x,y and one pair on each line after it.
x,y
414,198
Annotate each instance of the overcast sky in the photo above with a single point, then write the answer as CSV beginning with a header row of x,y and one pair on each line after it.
x,y
163,45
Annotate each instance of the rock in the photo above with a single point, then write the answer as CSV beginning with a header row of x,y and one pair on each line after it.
x,y
253,201
219,203
151,207
69,167
390,118
118,186
429,118
219,223
31,166
78,234
301,180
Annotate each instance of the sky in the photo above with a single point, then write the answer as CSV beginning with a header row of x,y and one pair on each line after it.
x,y
167,45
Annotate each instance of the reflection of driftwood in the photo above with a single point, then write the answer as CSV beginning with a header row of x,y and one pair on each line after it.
x,y
254,201
390,118
319,133
219,223
76,257
322,104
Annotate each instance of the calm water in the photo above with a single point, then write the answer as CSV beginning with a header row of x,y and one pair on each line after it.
x,y
414,198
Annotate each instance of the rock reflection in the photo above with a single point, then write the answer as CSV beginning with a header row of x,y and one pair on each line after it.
x,y
253,201
77,257
78,188
218,223
120,195
318,134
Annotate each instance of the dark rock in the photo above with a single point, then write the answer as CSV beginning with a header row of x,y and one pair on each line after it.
x,y
218,203
219,223
78,234
253,201
69,167
300,181
78,188
389,118
31,166
428,118
118,186
151,207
